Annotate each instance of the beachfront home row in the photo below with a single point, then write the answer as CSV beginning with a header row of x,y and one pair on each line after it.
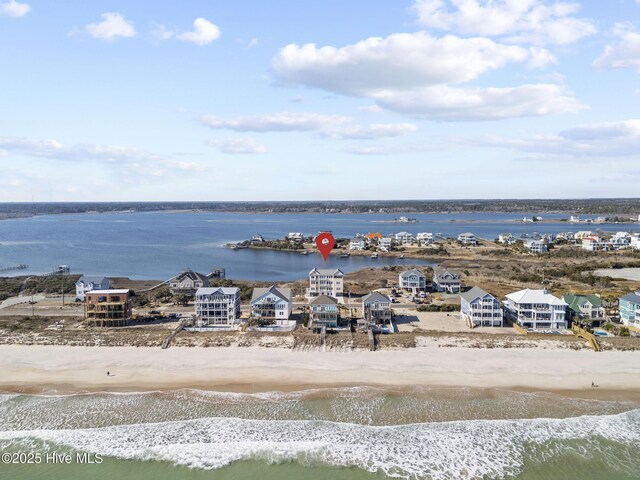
x,y
481,309
446,281
272,305
630,309
87,283
326,282
536,309
413,280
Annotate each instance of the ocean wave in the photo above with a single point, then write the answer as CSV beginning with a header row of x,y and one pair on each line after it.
x,y
471,449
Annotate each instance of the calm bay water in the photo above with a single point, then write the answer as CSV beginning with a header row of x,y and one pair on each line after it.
x,y
158,245
346,433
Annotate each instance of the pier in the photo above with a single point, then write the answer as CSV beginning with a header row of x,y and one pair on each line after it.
x,y
9,268
59,270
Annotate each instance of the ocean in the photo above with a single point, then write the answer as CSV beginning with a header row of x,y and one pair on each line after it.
x,y
157,246
342,433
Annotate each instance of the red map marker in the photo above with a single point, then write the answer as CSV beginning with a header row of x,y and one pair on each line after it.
x,y
325,243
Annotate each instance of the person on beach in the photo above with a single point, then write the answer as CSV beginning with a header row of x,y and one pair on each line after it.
x,y
110,374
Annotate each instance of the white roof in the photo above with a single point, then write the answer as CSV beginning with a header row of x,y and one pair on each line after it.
x,y
535,296
109,292
222,290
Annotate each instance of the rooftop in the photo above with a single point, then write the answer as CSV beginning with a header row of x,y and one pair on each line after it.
x,y
374,297
323,300
217,290
475,292
535,296
280,292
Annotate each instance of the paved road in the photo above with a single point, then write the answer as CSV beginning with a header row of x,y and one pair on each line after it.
x,y
9,302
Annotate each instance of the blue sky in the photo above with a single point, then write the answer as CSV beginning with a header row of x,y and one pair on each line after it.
x,y
332,99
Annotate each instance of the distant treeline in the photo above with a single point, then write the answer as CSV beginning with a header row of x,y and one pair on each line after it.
x,y
614,206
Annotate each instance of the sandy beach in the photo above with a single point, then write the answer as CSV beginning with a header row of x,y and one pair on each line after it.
x,y
64,369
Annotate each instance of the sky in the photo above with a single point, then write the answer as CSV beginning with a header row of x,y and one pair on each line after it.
x,y
214,100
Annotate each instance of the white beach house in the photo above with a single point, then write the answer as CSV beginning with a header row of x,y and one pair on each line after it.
x,y
217,306
271,305
481,309
425,238
467,238
404,238
536,246
87,283
594,244
328,282
386,244
357,243
536,309
412,280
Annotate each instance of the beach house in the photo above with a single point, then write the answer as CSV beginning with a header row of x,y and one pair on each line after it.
x,y
630,309
386,244
271,305
620,241
323,312
506,239
413,280
326,282
536,246
425,238
536,309
376,308
86,283
585,309
594,243
634,241
446,281
295,236
481,309
357,243
109,307
217,306
467,238
188,282
373,237
404,238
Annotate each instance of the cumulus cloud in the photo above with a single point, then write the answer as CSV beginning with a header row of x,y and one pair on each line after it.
x,y
625,53
527,21
387,149
594,141
12,8
370,132
203,33
235,146
112,26
399,61
275,122
419,74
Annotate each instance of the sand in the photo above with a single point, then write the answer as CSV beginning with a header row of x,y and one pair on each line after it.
x,y
64,369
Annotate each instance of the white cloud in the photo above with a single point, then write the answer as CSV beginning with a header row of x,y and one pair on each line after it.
x,y
252,43
235,146
12,8
593,141
204,32
275,122
113,25
460,104
370,132
623,54
527,21
399,61
370,108
418,74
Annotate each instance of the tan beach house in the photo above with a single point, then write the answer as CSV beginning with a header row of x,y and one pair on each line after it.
x,y
108,308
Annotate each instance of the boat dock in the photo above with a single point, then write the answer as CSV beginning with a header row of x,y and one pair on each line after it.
x,y
9,268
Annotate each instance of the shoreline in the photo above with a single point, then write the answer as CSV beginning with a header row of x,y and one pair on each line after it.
x,y
66,370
